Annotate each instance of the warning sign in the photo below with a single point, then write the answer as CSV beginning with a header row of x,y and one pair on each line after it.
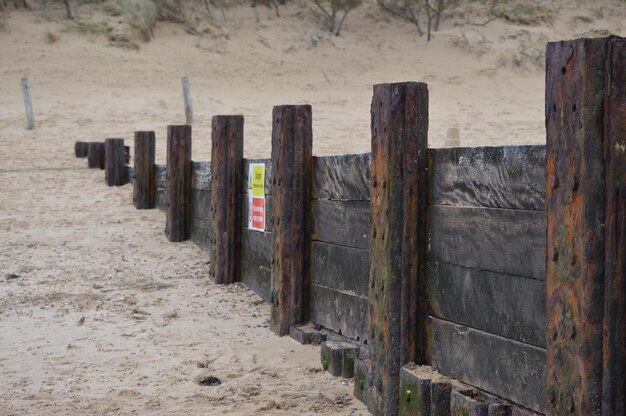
x,y
256,197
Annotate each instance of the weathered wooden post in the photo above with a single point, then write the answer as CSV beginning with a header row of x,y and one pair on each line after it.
x,y
81,149
144,171
114,162
187,100
95,155
292,165
586,211
28,104
398,238
178,189
226,197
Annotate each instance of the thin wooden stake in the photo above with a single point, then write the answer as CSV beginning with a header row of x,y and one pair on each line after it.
x,y
187,100
28,104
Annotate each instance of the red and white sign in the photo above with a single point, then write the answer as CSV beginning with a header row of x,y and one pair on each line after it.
x,y
256,218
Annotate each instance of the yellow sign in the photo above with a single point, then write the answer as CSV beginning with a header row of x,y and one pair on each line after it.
x,y
257,179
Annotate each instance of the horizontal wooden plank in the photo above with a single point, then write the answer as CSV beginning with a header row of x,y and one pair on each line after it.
x,y
498,177
245,212
500,366
160,199
343,312
201,232
342,177
257,278
500,240
268,173
341,222
201,204
509,306
339,267
160,172
201,176
256,247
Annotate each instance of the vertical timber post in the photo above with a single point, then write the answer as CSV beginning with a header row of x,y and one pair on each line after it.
x,y
586,221
187,100
28,104
144,172
292,165
114,162
226,197
398,238
95,155
178,188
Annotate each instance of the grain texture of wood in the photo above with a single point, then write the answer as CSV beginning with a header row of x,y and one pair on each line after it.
x,y
342,312
178,178
226,198
201,233
496,177
398,238
503,367
28,104
586,178
500,240
187,100
95,155
114,162
509,306
256,262
346,223
201,206
81,149
201,175
342,177
144,171
292,166
338,267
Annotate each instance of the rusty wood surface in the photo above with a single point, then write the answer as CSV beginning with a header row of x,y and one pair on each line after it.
x,y
398,236
178,183
95,155
585,206
115,162
292,165
226,198
144,171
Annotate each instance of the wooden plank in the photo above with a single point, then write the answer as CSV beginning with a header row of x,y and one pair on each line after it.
x,y
28,104
160,172
160,200
509,306
258,279
500,240
342,268
292,141
201,175
343,312
268,174
201,233
586,171
201,204
398,237
178,190
497,177
341,222
144,171
256,247
226,198
342,177
187,100
114,162
498,365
